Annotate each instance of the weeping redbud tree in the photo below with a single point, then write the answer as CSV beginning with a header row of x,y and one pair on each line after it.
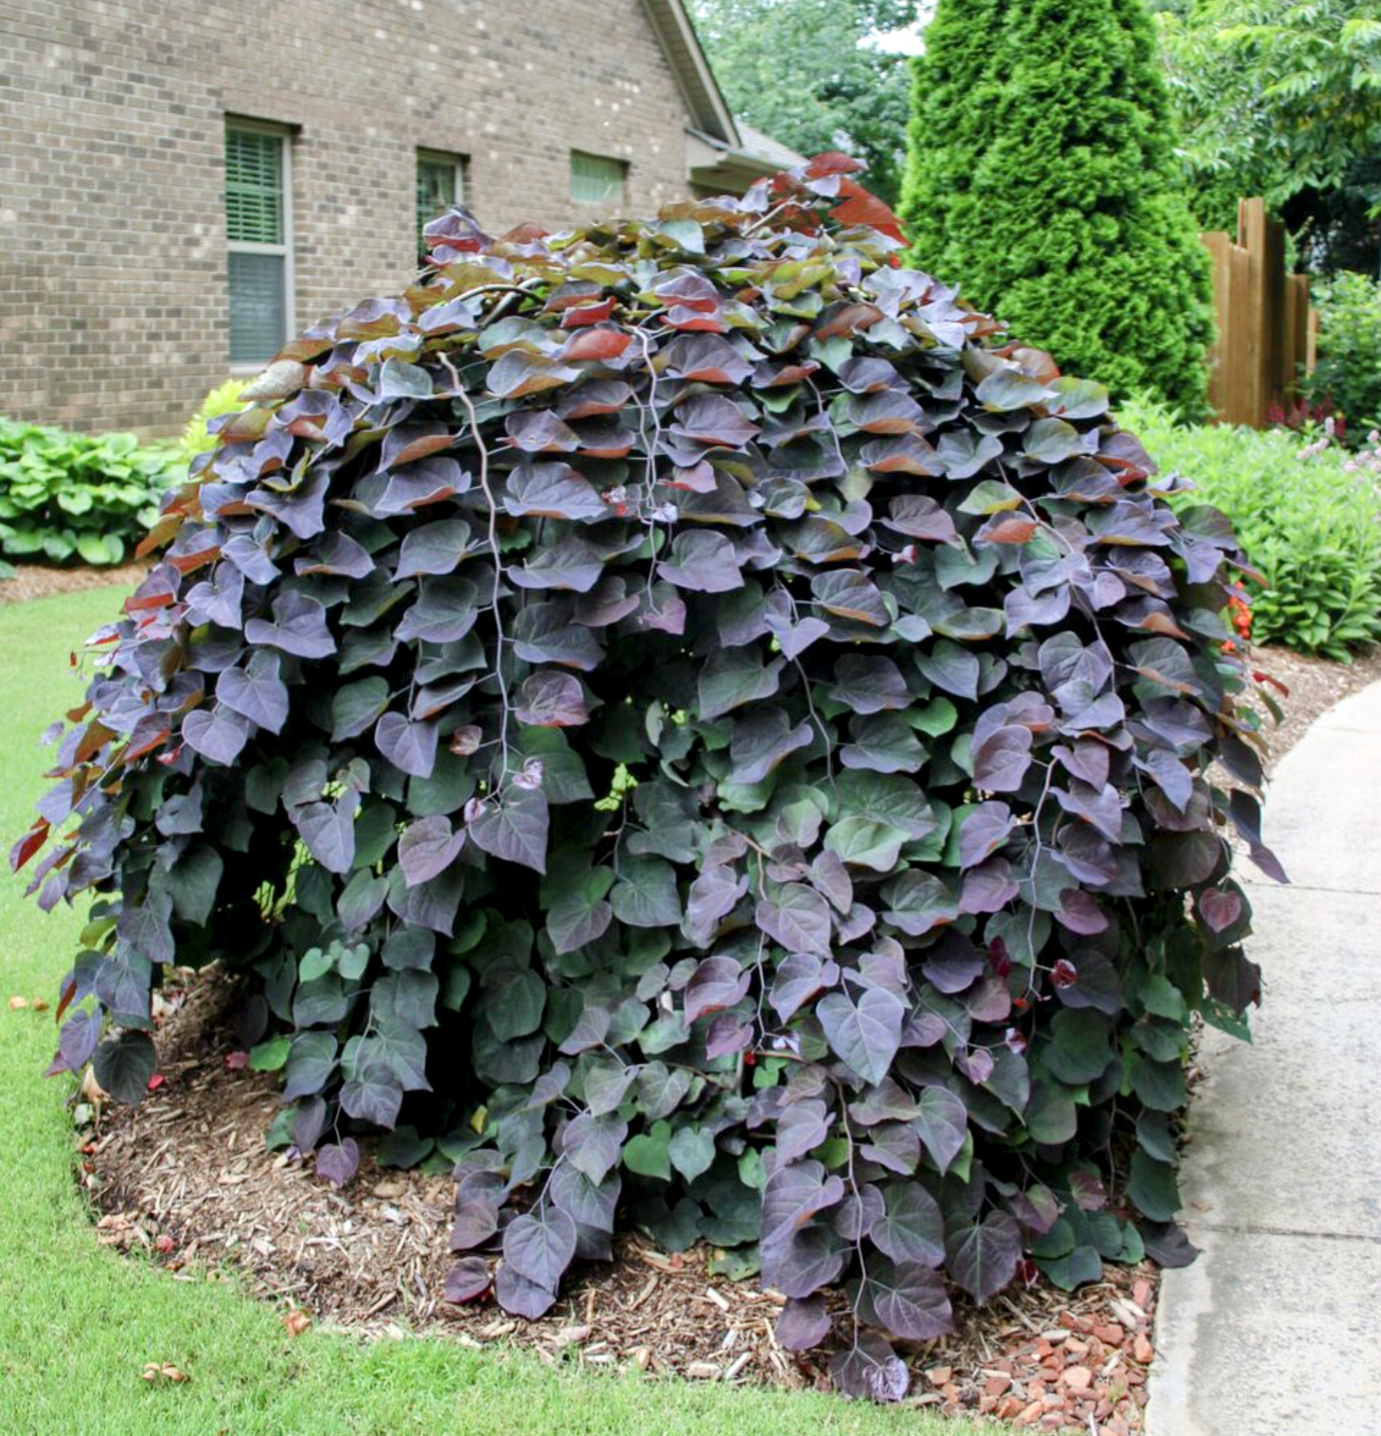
x,y
673,718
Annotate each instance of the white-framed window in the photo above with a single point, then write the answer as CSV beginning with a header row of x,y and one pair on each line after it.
x,y
440,184
596,179
258,232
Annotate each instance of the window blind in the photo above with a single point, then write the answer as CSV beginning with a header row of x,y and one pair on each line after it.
x,y
253,187
596,179
438,188
257,230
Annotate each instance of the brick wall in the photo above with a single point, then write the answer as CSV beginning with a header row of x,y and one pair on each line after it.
x,y
113,308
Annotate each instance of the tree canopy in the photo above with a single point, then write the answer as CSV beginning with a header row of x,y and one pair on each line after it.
x,y
1281,98
807,73
1042,176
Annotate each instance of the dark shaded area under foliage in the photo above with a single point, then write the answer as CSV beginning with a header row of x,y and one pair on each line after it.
x,y
671,712
1338,229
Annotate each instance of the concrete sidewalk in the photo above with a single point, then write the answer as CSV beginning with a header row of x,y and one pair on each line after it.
x,y
1277,1327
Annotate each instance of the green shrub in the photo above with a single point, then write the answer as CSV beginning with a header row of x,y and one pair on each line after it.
x,y
223,399
892,930
1307,514
78,497
1042,174
1349,366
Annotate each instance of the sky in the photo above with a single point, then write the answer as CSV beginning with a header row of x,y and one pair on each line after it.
x,y
907,40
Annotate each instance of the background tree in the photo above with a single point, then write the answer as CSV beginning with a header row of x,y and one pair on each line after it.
x,y
1282,99
810,74
1042,176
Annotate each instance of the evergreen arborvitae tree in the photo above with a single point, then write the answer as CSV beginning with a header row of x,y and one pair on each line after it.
x,y
1041,176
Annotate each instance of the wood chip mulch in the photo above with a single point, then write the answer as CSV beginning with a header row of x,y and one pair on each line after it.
x,y
1315,685
186,1177
37,580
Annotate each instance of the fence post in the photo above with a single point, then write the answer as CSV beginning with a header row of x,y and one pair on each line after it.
x,y
1251,236
1266,330
1297,314
1219,246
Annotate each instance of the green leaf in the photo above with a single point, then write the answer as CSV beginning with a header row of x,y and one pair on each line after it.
x,y
691,1151
863,843
733,677
403,1147
193,882
578,914
686,234
649,1153
1160,1085
400,380
646,894
1153,1187
455,986
355,707
76,502
661,1089
514,999
124,1064
271,1054
311,1061
1008,388
991,496
1080,1048
1080,1265
315,962
98,550
936,719
1051,1118
1161,997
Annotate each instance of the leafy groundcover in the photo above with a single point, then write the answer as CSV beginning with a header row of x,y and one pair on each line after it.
x,y
673,718
66,497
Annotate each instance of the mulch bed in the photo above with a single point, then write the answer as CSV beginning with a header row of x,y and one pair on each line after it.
x,y
1315,684
36,580
185,1176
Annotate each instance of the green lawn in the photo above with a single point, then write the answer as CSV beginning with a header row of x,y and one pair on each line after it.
x,y
78,1322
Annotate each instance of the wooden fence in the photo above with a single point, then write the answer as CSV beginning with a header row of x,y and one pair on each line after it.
x,y
1266,329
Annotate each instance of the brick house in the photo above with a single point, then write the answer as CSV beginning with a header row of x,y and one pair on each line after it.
x,y
183,185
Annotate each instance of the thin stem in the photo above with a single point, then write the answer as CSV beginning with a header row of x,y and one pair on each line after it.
x,y
497,591
650,452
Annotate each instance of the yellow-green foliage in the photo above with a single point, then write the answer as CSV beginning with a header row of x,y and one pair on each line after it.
x,y
1041,176
223,399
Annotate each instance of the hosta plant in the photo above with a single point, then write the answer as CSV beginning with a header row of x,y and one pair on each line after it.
x,y
673,713
67,498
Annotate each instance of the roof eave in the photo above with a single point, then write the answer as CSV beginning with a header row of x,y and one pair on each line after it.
x,y
712,164
699,88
